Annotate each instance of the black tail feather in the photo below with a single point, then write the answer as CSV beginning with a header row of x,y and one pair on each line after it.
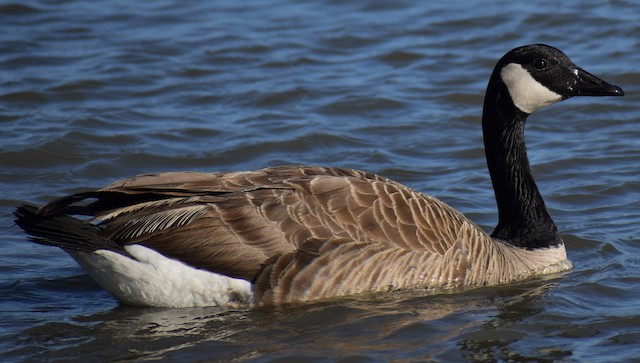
x,y
95,202
63,231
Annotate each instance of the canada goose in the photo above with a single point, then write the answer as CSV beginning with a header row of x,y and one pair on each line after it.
x,y
300,233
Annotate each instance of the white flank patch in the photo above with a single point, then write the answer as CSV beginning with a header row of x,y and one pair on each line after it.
x,y
155,280
526,93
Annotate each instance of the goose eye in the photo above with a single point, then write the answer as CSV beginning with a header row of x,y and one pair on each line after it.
x,y
540,64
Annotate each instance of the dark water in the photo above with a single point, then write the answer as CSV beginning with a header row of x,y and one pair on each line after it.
x,y
95,91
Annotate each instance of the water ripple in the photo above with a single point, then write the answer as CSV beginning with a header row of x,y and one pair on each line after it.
x,y
93,92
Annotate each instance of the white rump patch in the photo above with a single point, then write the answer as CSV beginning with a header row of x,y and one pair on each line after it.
x,y
152,279
526,93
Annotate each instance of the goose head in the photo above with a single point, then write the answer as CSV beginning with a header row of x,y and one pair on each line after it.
x,y
525,80
540,75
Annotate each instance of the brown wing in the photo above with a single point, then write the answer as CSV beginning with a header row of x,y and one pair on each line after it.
x,y
238,223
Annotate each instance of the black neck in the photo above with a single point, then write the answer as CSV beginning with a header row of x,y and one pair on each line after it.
x,y
523,217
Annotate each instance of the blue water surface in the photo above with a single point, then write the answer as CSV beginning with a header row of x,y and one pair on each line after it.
x,y
91,92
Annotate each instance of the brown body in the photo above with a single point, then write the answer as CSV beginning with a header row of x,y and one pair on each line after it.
x,y
306,233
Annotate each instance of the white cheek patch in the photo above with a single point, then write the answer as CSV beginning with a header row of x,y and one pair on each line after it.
x,y
526,93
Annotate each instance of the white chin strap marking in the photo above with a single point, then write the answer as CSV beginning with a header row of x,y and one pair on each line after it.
x,y
526,93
